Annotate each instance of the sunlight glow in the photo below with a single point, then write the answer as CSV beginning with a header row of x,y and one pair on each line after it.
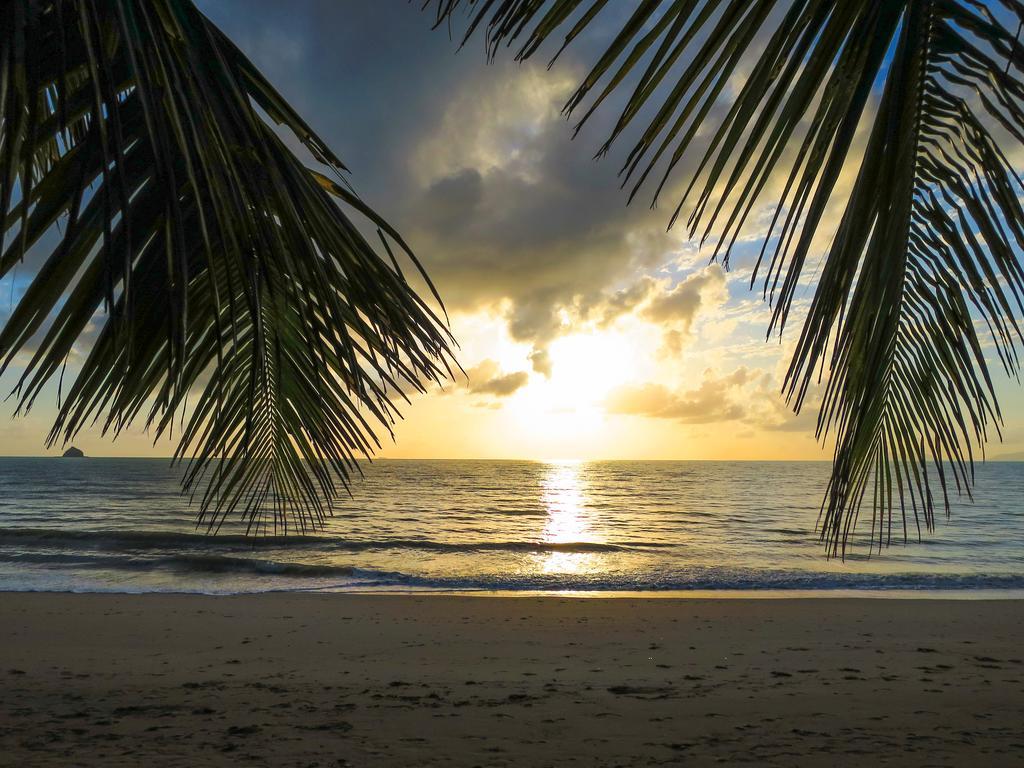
x,y
568,519
570,403
586,367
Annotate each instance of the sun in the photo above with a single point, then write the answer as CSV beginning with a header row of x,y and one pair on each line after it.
x,y
585,368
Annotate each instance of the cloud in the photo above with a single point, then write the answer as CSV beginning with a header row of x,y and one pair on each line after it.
x,y
624,301
517,225
478,172
505,210
673,308
451,202
537,318
493,124
487,378
712,401
679,306
540,359
744,395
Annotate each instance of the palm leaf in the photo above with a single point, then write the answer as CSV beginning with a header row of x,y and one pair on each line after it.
x,y
216,264
923,273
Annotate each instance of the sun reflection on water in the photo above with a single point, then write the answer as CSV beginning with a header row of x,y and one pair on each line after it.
x,y
568,518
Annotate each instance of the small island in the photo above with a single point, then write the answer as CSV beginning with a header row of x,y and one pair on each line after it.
x,y
73,453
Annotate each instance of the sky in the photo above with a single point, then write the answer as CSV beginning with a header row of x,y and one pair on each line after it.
x,y
587,330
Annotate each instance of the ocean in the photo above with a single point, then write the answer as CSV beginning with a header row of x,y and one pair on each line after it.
x,y
121,525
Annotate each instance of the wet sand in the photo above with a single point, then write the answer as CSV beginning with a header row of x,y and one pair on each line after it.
x,y
357,680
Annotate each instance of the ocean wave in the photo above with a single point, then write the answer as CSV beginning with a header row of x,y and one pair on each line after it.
x,y
184,565
154,540
252,574
704,580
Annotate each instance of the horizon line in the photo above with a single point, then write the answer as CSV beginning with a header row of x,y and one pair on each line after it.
x,y
1007,458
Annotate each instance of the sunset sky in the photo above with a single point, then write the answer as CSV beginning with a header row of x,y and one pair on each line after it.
x,y
587,330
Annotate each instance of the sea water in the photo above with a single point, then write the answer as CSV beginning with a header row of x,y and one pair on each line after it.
x,y
514,526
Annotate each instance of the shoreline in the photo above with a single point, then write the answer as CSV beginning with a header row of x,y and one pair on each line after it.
x,y
932,595
419,680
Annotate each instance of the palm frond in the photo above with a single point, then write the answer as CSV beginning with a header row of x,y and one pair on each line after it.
x,y
923,274
215,263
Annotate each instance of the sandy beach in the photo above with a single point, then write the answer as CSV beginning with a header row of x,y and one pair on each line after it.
x,y
358,680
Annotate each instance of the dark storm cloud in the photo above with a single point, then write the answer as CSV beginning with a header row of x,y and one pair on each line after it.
x,y
471,162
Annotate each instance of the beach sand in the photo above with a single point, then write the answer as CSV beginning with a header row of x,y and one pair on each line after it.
x,y
358,680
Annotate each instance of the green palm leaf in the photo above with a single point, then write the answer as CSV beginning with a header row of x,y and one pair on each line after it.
x,y
927,249
233,290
